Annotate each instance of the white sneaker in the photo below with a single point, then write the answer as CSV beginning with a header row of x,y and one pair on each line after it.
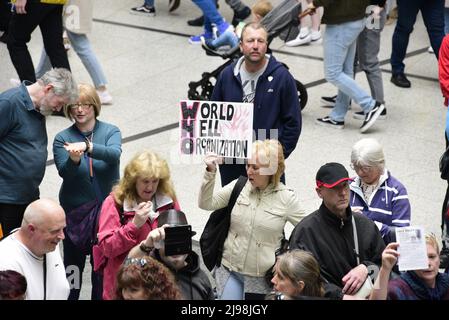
x,y
304,37
14,82
316,37
105,97
430,50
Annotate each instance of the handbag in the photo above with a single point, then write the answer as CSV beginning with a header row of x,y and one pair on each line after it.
x,y
444,165
82,222
217,227
81,225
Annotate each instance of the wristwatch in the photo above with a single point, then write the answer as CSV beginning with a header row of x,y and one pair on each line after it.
x,y
143,247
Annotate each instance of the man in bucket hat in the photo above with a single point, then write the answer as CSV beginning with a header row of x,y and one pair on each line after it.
x,y
328,234
191,280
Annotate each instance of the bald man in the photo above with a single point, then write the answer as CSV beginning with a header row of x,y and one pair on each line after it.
x,y
33,251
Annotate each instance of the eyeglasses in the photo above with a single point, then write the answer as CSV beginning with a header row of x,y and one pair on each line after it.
x,y
84,106
135,261
364,169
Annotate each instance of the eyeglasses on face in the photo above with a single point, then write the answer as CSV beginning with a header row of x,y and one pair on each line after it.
x,y
135,261
364,169
84,106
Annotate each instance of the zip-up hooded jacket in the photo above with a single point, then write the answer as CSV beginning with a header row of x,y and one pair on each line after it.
x,y
388,205
331,240
191,280
276,103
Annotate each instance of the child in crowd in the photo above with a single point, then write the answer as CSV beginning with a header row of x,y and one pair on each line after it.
x,y
231,37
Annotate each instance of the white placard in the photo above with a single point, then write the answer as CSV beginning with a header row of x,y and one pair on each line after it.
x,y
221,128
412,248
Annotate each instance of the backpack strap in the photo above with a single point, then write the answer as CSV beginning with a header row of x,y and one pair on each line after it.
x,y
238,187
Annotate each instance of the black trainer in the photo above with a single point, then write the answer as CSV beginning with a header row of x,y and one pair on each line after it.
x,y
328,122
197,22
328,101
361,116
371,116
400,80
240,16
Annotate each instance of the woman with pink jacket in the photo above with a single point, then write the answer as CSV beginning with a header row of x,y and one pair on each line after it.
x,y
130,212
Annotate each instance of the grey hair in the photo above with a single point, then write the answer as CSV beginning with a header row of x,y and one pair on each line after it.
x,y
63,83
368,152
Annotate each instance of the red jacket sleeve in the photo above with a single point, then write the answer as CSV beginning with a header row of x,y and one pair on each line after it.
x,y
113,238
443,68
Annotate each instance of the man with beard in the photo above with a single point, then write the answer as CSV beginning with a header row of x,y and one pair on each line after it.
x,y
191,280
346,244
33,251
260,79
23,140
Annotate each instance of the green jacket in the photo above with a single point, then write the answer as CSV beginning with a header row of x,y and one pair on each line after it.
x,y
340,11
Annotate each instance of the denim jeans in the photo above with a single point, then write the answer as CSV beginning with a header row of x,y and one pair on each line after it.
x,y
433,16
83,49
234,287
228,38
149,3
210,12
339,46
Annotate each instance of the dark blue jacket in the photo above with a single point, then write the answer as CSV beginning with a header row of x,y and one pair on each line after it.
x,y
276,103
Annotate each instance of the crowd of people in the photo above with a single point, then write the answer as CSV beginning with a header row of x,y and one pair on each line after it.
x,y
129,219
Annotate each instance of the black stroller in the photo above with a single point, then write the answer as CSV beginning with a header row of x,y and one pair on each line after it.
x,y
280,21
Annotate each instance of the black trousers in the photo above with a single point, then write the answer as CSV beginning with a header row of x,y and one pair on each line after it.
x,y
5,14
49,19
11,216
74,262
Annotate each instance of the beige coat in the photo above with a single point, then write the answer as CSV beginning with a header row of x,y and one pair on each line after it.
x,y
78,16
257,221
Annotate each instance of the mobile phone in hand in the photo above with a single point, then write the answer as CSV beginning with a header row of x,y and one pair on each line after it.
x,y
178,240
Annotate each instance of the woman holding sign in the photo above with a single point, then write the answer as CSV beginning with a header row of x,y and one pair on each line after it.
x,y
258,219
427,284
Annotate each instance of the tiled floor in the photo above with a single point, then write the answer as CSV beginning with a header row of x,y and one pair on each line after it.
x,y
149,64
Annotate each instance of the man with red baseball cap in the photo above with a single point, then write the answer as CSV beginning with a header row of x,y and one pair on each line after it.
x,y
346,257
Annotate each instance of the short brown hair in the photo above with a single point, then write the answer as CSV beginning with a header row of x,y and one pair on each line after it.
x,y
87,94
255,26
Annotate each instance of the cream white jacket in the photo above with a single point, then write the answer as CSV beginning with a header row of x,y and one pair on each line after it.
x,y
257,221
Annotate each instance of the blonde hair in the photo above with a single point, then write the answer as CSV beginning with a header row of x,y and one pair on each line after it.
x,y
145,164
261,8
88,95
271,152
432,240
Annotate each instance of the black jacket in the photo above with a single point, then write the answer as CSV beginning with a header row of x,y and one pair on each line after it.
x,y
191,280
330,239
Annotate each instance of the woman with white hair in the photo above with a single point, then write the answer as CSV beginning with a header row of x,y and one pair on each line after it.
x,y
375,192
